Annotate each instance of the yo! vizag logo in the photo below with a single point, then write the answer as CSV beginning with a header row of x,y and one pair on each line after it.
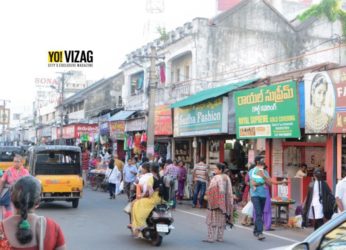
x,y
70,58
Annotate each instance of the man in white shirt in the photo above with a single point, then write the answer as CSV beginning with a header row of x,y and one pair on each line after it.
x,y
340,194
302,171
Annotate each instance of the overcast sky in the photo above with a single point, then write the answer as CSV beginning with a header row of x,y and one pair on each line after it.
x,y
112,28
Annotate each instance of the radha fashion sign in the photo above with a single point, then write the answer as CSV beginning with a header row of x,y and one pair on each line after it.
x,y
267,112
209,117
325,101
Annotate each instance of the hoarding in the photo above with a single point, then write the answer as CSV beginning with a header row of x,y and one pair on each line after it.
x,y
267,112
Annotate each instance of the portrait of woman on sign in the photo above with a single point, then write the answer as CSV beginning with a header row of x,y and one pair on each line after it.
x,y
319,103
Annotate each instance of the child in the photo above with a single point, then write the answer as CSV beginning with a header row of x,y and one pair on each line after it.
x,y
257,178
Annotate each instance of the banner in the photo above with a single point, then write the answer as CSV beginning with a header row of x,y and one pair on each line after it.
x,y
267,112
117,130
325,102
163,120
205,118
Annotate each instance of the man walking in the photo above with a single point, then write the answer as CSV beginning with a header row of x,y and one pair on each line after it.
x,y
200,179
172,171
258,178
129,173
340,194
85,164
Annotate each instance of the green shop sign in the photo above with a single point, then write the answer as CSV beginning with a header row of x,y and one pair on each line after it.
x,y
267,112
206,118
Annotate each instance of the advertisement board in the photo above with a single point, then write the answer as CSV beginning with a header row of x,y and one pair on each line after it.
x,y
208,117
325,101
267,112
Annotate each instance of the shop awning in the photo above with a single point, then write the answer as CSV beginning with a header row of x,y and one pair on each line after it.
x,y
122,115
210,93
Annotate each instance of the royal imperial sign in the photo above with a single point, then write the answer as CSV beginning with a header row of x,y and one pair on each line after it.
x,y
206,118
267,112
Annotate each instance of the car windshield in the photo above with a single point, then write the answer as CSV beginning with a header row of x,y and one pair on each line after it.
x,y
336,239
57,163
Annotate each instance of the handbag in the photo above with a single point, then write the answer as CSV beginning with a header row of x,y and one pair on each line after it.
x,y
128,207
106,179
248,209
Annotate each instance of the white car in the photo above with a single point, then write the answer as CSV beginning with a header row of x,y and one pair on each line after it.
x,y
331,236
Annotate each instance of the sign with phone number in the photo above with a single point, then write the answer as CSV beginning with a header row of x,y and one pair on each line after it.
x,y
267,112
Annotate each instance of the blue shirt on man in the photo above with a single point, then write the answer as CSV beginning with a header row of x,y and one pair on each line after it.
x,y
128,176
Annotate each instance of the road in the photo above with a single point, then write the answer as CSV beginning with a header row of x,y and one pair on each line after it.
x,y
100,223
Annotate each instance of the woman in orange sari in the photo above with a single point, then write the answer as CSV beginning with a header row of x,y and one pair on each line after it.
x,y
220,204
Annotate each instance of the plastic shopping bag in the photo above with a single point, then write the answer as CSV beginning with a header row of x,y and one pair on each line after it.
x,y
128,207
248,209
121,187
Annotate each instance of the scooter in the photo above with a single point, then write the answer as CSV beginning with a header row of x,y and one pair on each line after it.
x,y
159,223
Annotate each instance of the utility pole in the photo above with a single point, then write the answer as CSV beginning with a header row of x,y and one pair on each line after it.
x,y
62,92
152,96
5,117
62,106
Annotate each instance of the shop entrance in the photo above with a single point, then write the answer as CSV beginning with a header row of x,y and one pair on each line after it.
x,y
294,155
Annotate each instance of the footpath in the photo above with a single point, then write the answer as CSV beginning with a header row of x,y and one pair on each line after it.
x,y
281,231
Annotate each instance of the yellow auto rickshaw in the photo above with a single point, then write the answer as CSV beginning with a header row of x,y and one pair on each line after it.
x,y
7,154
58,168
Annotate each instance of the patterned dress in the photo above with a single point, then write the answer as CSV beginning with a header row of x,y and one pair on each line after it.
x,y
220,204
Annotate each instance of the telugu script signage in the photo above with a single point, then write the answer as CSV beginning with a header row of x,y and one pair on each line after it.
x,y
75,131
325,101
163,120
267,112
205,118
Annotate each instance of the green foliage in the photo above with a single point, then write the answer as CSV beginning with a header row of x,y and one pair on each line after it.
x,y
163,33
332,9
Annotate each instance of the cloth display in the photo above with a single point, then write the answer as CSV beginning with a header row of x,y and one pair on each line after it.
x,y
137,143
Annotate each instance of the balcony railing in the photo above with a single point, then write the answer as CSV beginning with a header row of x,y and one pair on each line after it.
x,y
167,94
174,92
136,102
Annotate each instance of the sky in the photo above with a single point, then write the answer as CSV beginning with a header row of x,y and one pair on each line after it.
x,y
110,28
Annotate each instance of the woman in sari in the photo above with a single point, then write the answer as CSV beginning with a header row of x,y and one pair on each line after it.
x,y
181,180
148,198
220,204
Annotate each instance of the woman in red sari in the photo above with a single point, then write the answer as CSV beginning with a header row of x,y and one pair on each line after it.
x,y
220,204
25,230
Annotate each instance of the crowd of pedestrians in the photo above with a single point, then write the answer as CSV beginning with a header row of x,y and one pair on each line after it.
x,y
139,181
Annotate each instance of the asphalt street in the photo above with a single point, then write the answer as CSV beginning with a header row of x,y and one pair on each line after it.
x,y
100,223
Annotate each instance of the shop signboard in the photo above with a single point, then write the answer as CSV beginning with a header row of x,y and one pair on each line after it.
x,y
163,120
68,132
325,101
104,128
267,112
205,118
117,130
75,131
86,129
139,124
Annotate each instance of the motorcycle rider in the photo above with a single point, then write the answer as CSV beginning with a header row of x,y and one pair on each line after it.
x,y
147,199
